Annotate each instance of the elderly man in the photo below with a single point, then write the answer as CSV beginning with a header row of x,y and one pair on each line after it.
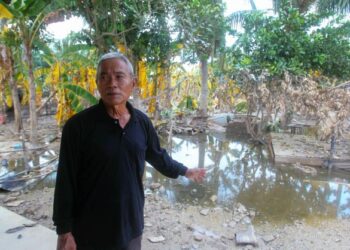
x,y
99,195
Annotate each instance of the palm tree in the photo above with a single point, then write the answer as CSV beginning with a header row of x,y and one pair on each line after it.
x,y
202,25
339,6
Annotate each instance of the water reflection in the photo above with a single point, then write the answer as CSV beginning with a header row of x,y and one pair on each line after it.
x,y
238,171
19,174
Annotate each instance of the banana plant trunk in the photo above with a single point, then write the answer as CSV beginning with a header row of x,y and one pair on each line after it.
x,y
203,105
14,93
32,94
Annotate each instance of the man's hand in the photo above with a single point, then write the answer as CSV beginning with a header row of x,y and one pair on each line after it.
x,y
195,174
66,242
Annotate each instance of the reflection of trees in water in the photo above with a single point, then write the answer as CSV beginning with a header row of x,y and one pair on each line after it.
x,y
241,172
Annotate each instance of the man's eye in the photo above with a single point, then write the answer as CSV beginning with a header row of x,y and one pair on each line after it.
x,y
120,77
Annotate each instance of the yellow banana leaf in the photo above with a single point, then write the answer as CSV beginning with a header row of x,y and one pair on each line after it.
x,y
4,12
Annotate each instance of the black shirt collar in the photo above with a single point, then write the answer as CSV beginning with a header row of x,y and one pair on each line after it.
x,y
103,114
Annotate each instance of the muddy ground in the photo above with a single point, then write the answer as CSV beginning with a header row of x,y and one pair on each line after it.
x,y
178,226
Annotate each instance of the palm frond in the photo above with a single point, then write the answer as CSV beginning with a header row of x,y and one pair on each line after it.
x,y
339,6
238,17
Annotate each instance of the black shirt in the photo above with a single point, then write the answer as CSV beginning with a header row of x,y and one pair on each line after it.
x,y
99,193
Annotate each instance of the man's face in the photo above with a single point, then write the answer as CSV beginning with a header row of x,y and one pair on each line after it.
x,y
115,82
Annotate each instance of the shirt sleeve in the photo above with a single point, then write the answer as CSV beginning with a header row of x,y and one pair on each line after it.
x,y
65,190
159,158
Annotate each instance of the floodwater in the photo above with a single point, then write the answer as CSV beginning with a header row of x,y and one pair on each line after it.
x,y
237,171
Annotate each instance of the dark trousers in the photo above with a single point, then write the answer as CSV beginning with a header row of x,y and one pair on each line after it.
x,y
134,244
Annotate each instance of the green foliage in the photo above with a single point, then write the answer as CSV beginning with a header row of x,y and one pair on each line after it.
x,y
187,103
201,24
293,42
241,107
77,94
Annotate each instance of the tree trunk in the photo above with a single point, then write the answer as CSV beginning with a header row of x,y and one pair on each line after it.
x,y
7,59
136,91
204,88
14,93
32,94
167,103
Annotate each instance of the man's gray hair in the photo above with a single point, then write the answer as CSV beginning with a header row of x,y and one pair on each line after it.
x,y
114,55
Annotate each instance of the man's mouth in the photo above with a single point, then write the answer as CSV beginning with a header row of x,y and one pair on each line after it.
x,y
113,94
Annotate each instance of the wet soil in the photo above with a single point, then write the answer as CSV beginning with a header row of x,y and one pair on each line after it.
x,y
193,227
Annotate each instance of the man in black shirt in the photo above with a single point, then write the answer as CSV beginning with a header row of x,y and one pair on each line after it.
x,y
99,195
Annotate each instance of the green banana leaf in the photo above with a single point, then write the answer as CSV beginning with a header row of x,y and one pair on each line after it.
x,y
77,95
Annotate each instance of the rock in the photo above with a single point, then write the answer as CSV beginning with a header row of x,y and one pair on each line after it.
x,y
155,186
43,216
305,169
148,224
246,220
217,209
19,236
204,212
230,237
213,198
30,224
165,206
10,199
212,235
28,212
236,219
4,162
15,203
252,214
196,228
195,246
246,237
268,238
198,237
156,239
15,194
239,208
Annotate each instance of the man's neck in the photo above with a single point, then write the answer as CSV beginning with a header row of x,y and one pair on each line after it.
x,y
119,112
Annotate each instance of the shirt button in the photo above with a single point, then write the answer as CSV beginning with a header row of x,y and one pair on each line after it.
x,y
116,122
124,133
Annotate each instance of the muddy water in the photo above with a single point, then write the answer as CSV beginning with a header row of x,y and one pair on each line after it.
x,y
238,171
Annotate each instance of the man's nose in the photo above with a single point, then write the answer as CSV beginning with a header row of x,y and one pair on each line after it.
x,y
112,81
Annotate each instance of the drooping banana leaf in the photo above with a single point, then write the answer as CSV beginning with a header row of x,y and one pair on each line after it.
x,y
77,95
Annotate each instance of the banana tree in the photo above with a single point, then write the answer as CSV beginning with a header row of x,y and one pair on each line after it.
x,y
9,48
68,71
7,65
29,16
